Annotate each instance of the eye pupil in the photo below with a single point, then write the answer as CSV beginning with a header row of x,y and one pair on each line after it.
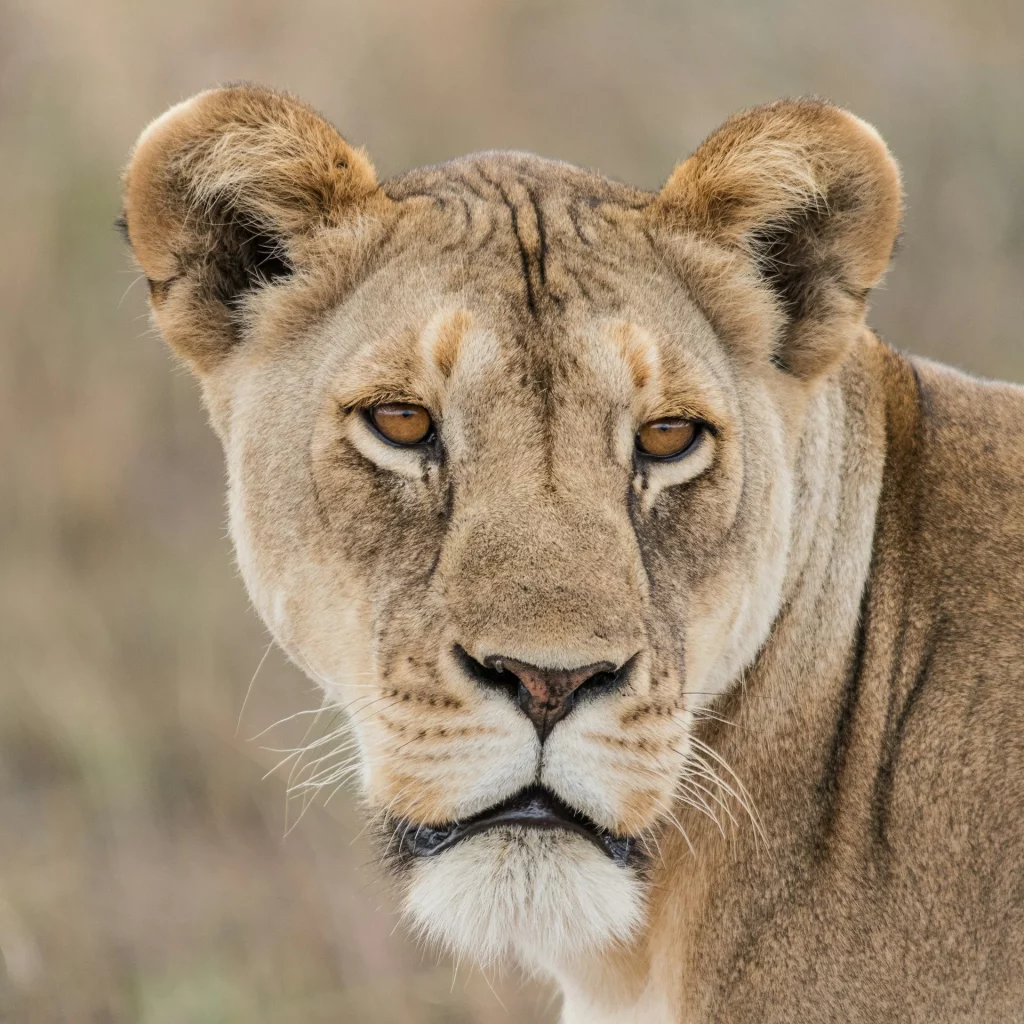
x,y
663,439
401,422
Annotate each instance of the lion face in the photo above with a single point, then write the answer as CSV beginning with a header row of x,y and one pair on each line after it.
x,y
521,605
528,532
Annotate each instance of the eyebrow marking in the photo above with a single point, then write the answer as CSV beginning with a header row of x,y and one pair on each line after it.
x,y
638,353
446,343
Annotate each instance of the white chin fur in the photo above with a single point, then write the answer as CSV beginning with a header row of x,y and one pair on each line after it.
x,y
542,898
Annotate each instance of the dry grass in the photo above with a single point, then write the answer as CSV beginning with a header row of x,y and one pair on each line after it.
x,y
143,876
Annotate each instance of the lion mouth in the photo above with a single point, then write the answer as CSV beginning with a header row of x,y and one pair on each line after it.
x,y
531,808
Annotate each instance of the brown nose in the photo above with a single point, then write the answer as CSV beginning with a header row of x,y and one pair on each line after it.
x,y
545,695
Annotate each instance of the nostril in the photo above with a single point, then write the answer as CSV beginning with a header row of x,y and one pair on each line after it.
x,y
493,675
599,682
607,680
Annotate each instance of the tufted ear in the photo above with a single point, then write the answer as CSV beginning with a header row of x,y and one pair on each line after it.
x,y
226,194
803,198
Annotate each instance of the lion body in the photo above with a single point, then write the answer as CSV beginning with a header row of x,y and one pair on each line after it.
x,y
818,749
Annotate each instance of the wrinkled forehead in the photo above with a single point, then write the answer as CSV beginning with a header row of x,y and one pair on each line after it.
x,y
538,234
531,281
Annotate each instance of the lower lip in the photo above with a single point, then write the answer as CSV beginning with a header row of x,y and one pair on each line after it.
x,y
430,842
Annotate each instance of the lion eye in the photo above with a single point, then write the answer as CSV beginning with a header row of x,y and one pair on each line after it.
x,y
665,439
401,423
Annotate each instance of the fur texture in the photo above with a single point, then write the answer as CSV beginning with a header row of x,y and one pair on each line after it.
x,y
525,896
819,750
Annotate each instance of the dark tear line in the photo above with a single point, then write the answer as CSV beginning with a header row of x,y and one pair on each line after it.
x,y
321,509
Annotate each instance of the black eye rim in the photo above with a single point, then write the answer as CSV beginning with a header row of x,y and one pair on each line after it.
x,y
701,427
427,442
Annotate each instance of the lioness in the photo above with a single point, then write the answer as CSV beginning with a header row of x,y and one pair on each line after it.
x,y
680,620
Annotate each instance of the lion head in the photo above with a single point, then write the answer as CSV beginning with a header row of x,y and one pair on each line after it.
x,y
516,456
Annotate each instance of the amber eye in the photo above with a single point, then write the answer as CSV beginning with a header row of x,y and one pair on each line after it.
x,y
401,423
664,439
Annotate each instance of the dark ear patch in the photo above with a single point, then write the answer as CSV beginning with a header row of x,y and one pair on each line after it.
x,y
793,259
805,196
243,256
796,256
784,255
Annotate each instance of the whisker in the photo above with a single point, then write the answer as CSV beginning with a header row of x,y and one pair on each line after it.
x,y
690,781
249,688
281,721
739,793
682,831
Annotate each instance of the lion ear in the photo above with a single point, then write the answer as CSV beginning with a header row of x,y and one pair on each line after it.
x,y
808,198
224,195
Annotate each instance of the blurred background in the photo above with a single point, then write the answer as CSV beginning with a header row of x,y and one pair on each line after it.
x,y
144,876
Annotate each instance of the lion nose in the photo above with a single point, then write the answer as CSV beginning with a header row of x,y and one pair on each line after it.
x,y
545,695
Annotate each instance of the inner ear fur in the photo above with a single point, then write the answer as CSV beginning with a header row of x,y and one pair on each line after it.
x,y
227,193
802,201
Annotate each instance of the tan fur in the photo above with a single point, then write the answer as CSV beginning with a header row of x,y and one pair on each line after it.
x,y
819,749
